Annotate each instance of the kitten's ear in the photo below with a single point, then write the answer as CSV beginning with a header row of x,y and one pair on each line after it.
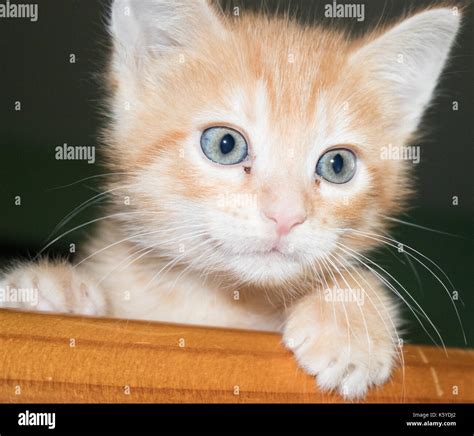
x,y
407,61
144,28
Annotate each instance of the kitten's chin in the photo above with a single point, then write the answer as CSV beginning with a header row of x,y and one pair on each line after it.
x,y
264,269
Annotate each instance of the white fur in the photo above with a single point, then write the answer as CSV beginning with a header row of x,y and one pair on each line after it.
x,y
154,27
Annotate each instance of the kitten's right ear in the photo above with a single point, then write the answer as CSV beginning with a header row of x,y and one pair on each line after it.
x,y
148,28
407,61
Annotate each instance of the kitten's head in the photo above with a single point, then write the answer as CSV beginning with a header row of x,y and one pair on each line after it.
x,y
253,146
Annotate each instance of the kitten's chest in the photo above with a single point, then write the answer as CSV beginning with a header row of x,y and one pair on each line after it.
x,y
147,291
190,301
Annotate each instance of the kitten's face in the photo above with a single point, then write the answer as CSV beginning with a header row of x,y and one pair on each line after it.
x,y
256,150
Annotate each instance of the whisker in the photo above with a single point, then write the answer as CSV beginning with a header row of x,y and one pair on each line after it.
x,y
86,179
348,324
79,227
418,226
360,309
395,244
356,255
173,262
147,250
154,232
80,208
394,330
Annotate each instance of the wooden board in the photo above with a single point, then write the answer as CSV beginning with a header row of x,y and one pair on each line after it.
x,y
52,358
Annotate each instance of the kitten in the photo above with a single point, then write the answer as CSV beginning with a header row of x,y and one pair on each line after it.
x,y
249,183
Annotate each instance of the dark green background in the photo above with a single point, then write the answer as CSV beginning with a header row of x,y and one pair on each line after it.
x,y
61,104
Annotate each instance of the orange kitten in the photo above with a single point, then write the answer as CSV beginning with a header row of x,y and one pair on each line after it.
x,y
250,184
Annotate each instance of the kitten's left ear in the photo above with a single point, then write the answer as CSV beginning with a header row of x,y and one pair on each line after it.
x,y
407,61
149,28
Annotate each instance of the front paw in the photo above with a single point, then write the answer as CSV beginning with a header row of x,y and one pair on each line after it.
x,y
50,287
346,357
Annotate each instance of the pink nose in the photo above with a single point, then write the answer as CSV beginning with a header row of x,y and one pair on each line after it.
x,y
285,221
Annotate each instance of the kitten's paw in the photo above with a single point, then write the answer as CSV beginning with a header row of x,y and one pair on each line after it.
x,y
50,287
343,360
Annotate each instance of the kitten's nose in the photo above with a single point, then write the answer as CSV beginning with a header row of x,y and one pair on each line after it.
x,y
286,220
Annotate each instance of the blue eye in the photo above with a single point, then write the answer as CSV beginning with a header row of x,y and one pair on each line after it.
x,y
224,146
337,166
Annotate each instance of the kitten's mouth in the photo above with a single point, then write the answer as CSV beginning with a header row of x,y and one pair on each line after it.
x,y
275,251
261,260
268,251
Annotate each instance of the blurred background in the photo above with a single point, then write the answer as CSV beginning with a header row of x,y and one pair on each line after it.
x,y
60,103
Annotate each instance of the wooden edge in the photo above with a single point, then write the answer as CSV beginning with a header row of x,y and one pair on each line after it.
x,y
61,359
